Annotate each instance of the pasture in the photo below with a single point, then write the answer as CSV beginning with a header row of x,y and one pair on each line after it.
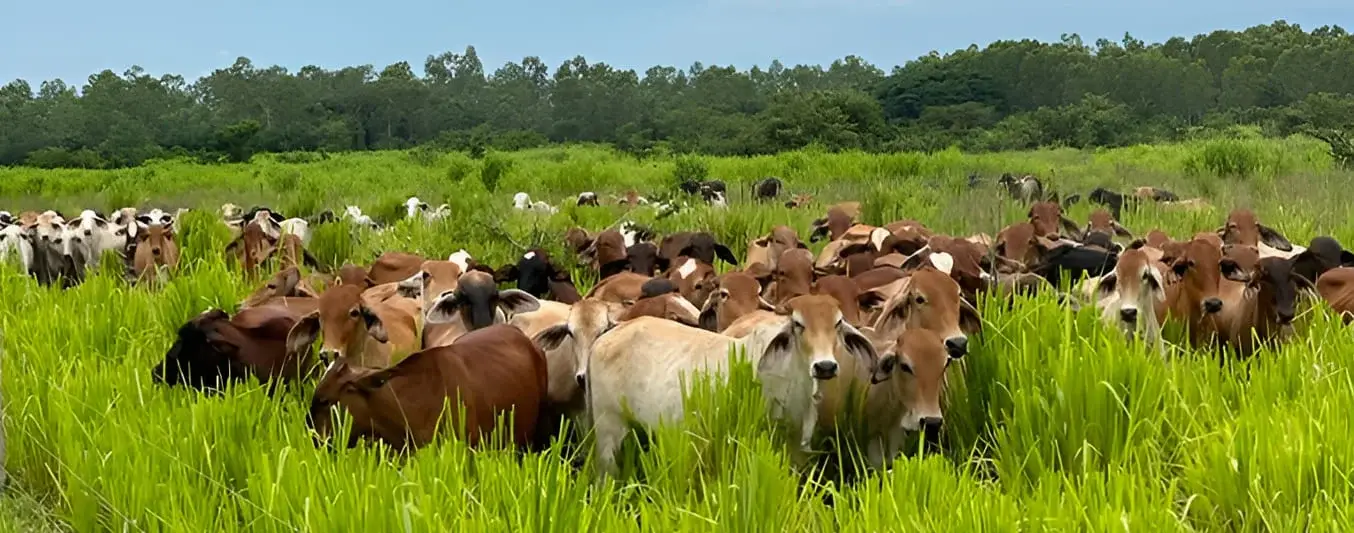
x,y
1053,421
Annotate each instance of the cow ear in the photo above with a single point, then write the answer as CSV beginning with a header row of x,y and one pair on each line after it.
x,y
1073,230
412,287
551,337
517,301
505,274
916,260
759,271
375,327
970,322
1274,239
303,333
762,241
374,381
309,260
871,299
1346,258
1121,231
857,345
1231,270
777,353
1105,287
444,309
1137,243
723,252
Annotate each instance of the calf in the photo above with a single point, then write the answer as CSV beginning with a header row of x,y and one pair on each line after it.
x,y
910,399
14,240
1260,306
214,348
768,248
251,246
636,372
155,249
464,388
734,295
693,278
366,334
793,276
1047,216
1132,297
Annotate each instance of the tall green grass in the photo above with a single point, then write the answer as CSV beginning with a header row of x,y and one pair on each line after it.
x,y
1054,422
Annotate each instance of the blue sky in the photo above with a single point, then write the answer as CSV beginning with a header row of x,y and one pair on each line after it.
x,y
75,38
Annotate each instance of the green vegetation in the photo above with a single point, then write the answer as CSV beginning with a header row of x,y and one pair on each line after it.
x,y
1053,422
1007,95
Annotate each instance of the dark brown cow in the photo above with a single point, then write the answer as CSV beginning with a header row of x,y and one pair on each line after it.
x,y
768,248
1021,243
1336,287
1260,307
155,248
491,373
1243,227
214,348
643,258
840,217
698,244
693,277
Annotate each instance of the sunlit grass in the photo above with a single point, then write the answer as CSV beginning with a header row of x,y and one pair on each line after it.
x,y
1053,422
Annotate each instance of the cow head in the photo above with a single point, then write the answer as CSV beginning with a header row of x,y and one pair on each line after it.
x,y
345,320
809,342
478,302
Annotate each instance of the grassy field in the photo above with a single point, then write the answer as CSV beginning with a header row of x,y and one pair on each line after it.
x,y
1053,421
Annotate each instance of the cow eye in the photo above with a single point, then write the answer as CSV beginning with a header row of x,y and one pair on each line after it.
x,y
272,286
353,312
905,367
920,299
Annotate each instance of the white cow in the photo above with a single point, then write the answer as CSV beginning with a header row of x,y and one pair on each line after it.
x,y
14,241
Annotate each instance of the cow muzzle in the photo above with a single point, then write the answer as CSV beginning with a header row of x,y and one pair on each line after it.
x,y
1129,315
930,428
956,346
824,369
1212,305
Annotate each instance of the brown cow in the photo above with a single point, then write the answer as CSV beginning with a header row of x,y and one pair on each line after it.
x,y
350,274
1102,223
768,248
847,294
693,277
735,295
1047,216
840,217
620,288
929,299
214,348
464,388
251,246
910,399
1259,303
1336,286
697,244
1133,297
793,275
292,253
1019,242
1194,298
366,334
392,267
673,307
286,283
1243,227
155,248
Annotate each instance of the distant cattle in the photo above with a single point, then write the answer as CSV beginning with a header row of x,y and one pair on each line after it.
x,y
767,188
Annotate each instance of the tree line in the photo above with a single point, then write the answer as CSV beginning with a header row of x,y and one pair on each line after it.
x,y
1008,95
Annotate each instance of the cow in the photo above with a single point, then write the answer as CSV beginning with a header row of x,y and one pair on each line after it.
x,y
1047,216
622,287
636,372
929,299
768,248
693,278
414,207
476,303
1110,199
299,227
466,388
1336,287
1025,189
767,188
393,267
1194,297
845,291
1155,194
606,251
840,217
251,246
522,202
671,306
1244,228
798,200
697,244
734,295
15,240
291,252
1101,223
587,198
286,283
793,276
364,334
213,349
1022,245
90,237
47,233
1259,304
537,275
1075,261
155,250
354,214
1132,298
1323,253
909,400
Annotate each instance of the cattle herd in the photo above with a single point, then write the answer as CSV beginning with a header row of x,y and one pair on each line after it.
x,y
869,325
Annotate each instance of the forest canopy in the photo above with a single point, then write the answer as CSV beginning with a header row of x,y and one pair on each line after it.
x,y
1008,95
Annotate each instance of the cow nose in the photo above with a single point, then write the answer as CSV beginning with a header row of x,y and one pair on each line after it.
x,y
328,355
88,233
582,380
46,237
155,251
957,346
931,424
825,370
1129,315
1285,317
1212,305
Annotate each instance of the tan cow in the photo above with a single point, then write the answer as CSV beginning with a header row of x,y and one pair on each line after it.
x,y
366,335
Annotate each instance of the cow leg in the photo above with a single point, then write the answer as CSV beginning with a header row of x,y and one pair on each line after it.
x,y
608,433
